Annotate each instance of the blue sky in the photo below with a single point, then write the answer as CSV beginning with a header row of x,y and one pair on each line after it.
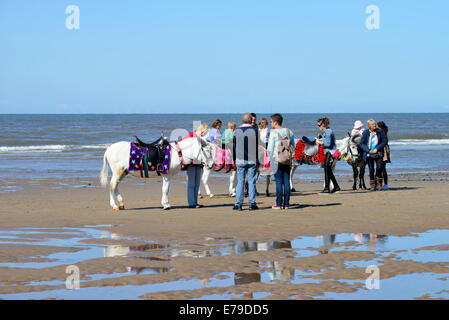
x,y
224,56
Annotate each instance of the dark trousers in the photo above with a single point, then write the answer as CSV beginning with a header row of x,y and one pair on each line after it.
x,y
384,172
328,174
376,160
282,177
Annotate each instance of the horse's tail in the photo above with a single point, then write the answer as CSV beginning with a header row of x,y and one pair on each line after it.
x,y
104,172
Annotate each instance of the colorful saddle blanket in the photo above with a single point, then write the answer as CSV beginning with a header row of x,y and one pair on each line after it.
x,y
144,160
319,157
301,156
223,160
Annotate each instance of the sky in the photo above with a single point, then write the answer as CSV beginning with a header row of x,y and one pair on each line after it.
x,y
220,56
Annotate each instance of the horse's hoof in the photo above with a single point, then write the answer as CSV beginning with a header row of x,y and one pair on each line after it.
x,y
211,195
122,207
200,196
167,208
293,190
267,194
116,209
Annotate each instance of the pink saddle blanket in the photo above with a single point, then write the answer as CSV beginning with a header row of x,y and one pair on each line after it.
x,y
223,159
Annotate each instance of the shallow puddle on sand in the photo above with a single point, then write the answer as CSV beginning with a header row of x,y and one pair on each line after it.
x,y
403,286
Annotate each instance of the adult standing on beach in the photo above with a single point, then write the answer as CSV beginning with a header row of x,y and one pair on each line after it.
x,y
195,170
254,125
282,174
330,146
254,121
215,130
245,153
372,143
264,133
387,154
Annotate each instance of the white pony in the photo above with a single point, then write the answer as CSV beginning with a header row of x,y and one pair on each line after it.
x,y
205,178
343,145
117,155
232,174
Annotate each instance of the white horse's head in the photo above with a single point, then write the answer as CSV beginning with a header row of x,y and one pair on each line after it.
x,y
349,147
207,153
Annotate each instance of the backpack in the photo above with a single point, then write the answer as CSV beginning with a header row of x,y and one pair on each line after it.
x,y
285,149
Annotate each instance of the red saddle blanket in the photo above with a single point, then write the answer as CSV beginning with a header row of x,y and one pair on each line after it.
x,y
319,157
303,158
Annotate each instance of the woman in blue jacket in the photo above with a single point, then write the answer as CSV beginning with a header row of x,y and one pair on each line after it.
x,y
330,146
372,143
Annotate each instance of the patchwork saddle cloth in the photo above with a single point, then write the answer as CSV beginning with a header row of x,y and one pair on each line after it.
x,y
309,153
223,160
145,159
317,156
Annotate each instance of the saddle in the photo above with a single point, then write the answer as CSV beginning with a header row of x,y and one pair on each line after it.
x,y
155,152
310,147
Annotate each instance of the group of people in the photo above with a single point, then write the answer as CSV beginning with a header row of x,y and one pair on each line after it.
x,y
280,145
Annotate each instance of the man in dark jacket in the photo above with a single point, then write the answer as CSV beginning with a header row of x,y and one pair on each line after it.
x,y
245,153
372,143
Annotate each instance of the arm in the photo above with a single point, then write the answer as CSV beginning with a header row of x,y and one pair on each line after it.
x,y
270,147
364,141
292,139
383,141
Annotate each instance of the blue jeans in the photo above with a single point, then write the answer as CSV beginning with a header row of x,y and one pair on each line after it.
x,y
194,174
282,177
242,170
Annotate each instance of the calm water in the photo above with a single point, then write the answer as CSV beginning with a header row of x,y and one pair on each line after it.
x,y
274,269
66,146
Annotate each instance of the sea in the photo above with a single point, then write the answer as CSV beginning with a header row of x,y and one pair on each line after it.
x,y
70,146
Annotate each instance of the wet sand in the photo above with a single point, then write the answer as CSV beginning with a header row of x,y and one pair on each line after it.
x,y
408,207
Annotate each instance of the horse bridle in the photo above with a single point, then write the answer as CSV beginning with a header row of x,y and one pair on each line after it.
x,y
178,149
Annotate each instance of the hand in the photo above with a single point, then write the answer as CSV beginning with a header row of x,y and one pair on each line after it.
x,y
375,151
318,141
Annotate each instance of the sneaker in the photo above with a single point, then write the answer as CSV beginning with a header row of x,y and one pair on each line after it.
x,y
253,207
325,191
285,208
199,206
385,187
276,208
237,207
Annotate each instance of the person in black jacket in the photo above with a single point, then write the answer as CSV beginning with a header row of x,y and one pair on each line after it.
x,y
387,155
373,142
245,155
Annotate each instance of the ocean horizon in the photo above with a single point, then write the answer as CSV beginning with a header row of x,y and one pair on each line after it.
x,y
43,146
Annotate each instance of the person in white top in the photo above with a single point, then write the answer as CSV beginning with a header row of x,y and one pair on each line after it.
x,y
264,133
282,174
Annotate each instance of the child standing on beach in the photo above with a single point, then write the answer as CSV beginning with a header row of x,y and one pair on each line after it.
x,y
228,133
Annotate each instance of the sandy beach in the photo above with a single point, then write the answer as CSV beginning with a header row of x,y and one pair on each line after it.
x,y
188,246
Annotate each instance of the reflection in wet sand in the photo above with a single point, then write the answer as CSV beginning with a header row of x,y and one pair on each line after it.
x,y
272,269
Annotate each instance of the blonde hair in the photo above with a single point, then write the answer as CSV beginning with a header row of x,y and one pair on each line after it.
x,y
231,124
263,123
203,128
370,121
